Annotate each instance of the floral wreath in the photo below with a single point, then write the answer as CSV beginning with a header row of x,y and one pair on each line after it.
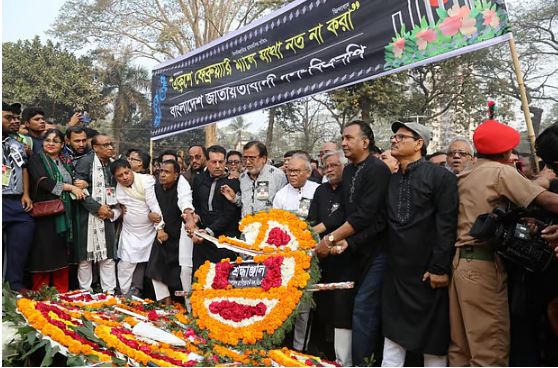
x,y
257,312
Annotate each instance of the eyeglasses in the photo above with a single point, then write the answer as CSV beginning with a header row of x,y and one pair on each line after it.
x,y
250,158
400,137
295,171
459,153
233,162
195,157
105,145
134,159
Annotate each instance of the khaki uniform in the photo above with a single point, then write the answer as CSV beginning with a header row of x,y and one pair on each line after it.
x,y
479,316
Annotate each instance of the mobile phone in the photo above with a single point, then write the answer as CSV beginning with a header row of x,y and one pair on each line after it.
x,y
85,118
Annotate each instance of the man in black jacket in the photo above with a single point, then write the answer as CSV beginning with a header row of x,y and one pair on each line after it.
x,y
365,184
217,216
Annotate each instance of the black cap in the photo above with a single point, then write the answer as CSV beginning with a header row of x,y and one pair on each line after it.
x,y
6,106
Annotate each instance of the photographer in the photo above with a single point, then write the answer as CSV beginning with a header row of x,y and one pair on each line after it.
x,y
479,314
545,287
547,149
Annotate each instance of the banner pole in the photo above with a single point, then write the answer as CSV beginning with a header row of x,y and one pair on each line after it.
x,y
524,104
151,156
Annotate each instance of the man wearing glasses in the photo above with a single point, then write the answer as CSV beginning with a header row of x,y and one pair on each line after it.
x,y
460,155
97,236
258,183
422,208
297,197
234,164
139,160
198,158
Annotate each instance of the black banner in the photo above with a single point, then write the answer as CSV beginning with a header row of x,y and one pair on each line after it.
x,y
314,46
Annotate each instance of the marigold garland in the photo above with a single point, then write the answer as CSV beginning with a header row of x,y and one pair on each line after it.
x,y
59,333
125,342
299,229
291,358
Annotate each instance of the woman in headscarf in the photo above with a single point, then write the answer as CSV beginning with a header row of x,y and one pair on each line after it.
x,y
51,178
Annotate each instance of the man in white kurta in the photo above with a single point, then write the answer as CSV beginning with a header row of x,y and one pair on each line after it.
x,y
136,193
296,197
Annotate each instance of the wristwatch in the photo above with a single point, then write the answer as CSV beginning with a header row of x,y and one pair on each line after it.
x,y
331,239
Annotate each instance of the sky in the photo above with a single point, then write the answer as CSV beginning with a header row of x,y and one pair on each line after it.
x,y
43,14
40,19
38,15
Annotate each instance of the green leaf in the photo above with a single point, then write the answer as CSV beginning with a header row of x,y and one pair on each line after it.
x,y
49,355
119,362
35,348
75,361
92,358
89,334
31,337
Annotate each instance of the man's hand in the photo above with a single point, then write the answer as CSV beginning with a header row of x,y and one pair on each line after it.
x,y
74,120
339,247
322,250
81,184
26,203
188,216
162,236
436,281
154,217
198,239
104,212
228,192
550,234
78,193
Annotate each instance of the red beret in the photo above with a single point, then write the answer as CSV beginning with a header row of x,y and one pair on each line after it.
x,y
493,137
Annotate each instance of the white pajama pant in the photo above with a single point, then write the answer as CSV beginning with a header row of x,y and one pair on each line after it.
x,y
107,273
162,290
394,356
126,275
342,342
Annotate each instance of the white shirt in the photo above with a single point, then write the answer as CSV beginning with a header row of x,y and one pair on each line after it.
x,y
289,198
138,232
185,244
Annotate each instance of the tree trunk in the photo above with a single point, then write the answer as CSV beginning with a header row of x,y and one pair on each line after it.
x,y
365,110
270,124
536,117
211,134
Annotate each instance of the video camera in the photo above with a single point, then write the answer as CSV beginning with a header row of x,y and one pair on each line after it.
x,y
516,237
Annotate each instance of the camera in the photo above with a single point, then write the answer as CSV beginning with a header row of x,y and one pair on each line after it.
x,y
516,237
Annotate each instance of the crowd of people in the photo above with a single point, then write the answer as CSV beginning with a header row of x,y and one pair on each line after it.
x,y
396,222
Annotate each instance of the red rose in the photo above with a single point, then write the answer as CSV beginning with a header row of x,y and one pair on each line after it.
x,y
152,315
